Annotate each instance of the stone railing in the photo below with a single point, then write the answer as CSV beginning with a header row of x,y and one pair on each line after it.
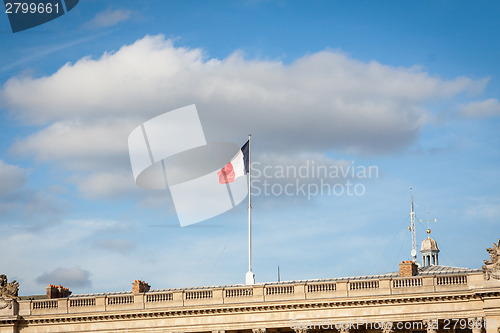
x,y
46,304
199,294
116,300
454,279
321,287
159,297
411,282
81,302
279,289
239,292
369,284
246,294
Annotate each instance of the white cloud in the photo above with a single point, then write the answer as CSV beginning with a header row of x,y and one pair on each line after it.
x,y
107,185
312,166
300,177
68,277
12,178
61,244
80,145
117,245
105,256
323,101
483,209
109,18
21,204
481,109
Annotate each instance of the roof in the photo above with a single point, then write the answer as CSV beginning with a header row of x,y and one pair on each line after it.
x,y
441,270
429,244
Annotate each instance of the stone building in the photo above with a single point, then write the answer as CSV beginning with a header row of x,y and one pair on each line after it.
x,y
426,299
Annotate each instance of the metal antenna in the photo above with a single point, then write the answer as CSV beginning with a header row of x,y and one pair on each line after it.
x,y
412,229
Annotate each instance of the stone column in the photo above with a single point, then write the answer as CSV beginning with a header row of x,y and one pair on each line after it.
x,y
388,327
430,325
259,330
345,328
300,330
475,324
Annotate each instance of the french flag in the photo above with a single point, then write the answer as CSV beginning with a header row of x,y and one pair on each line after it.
x,y
237,167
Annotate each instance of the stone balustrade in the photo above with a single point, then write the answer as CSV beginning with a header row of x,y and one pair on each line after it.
x,y
453,279
321,287
45,304
81,302
159,297
339,288
239,292
411,282
279,289
368,284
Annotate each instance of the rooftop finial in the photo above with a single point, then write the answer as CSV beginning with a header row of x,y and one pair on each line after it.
x,y
428,223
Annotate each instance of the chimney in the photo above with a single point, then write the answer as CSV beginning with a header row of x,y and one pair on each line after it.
x,y
140,287
57,291
407,268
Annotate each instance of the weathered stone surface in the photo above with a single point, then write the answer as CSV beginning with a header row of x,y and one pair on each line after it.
x,y
8,290
491,267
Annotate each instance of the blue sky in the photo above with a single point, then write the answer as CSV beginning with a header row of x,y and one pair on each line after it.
x,y
410,89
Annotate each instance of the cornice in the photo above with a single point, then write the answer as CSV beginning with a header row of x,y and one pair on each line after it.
x,y
239,308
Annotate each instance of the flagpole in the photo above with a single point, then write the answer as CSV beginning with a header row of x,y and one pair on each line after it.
x,y
250,276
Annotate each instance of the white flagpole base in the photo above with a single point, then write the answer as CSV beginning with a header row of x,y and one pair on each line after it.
x,y
250,278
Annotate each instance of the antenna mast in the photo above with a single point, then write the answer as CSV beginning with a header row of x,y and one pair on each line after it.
x,y
412,229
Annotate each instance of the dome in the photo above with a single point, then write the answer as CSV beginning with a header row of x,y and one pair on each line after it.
x,y
429,244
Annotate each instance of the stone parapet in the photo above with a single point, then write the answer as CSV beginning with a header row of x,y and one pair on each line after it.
x,y
270,292
270,307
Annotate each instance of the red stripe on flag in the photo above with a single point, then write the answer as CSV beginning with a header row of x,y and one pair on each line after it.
x,y
226,174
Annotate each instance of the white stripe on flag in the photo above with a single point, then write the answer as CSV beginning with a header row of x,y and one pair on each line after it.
x,y
238,164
